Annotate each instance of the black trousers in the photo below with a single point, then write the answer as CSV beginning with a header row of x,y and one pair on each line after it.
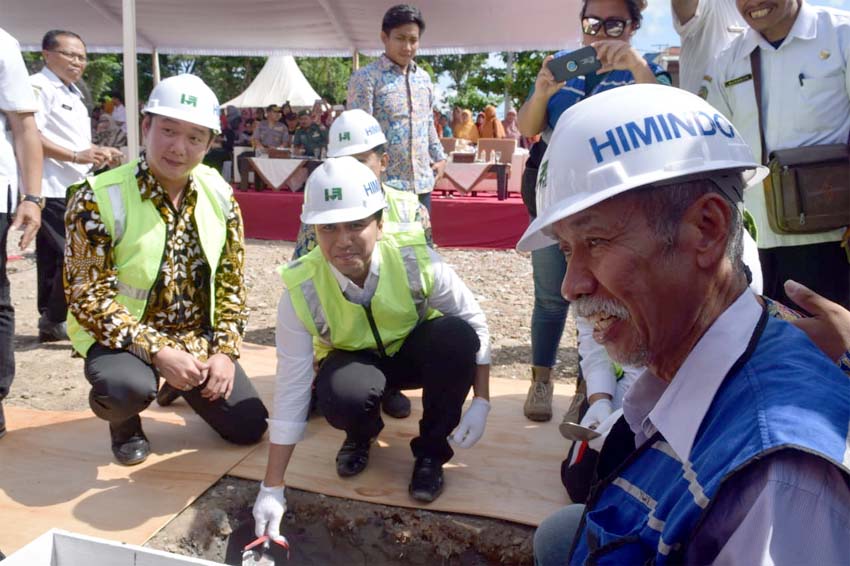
x,y
49,257
7,315
822,268
122,386
438,356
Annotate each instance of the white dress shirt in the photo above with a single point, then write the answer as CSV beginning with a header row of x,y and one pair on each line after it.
x,y
714,25
15,96
788,508
63,119
805,98
294,380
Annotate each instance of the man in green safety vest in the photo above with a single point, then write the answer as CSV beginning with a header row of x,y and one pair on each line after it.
x,y
154,278
377,313
359,135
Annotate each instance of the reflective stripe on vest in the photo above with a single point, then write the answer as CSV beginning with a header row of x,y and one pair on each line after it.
x,y
399,304
139,237
660,497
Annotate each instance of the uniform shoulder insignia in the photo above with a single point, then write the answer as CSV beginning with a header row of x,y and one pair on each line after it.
x,y
707,78
703,92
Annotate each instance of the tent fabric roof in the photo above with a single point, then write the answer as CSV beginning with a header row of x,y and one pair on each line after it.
x,y
297,27
280,79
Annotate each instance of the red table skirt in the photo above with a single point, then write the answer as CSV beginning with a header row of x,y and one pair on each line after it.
x,y
481,221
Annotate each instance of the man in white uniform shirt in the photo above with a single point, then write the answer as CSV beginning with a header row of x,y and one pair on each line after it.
x,y
705,28
19,144
69,155
805,101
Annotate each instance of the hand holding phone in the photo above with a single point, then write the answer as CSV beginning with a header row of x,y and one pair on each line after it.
x,y
580,62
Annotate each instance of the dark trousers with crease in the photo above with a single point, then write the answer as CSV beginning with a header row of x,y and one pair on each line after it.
x,y
438,356
7,315
122,386
49,258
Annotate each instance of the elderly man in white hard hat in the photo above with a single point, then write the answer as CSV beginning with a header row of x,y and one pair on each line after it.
x,y
358,134
154,276
721,455
377,314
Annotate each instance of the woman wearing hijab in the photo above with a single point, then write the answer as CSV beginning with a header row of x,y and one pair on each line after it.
x,y
457,118
466,129
479,122
492,127
511,126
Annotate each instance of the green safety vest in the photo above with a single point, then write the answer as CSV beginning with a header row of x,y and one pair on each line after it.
x,y
400,302
399,221
137,250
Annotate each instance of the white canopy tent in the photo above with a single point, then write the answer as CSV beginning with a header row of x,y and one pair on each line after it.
x,y
279,80
285,27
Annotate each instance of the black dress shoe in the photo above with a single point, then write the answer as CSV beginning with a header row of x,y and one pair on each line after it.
x,y
427,481
395,403
51,331
129,443
167,395
352,458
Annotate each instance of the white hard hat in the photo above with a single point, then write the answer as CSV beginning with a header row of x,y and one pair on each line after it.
x,y
353,132
630,137
341,190
185,97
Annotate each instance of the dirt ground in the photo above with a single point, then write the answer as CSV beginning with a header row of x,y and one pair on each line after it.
x,y
323,530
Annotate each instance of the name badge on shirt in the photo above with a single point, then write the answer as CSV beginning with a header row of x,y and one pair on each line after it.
x,y
739,80
66,107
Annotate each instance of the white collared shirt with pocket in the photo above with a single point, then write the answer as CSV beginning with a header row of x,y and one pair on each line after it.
x,y
63,119
805,98
15,96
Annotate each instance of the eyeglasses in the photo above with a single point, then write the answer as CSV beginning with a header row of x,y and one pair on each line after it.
x,y
71,56
614,27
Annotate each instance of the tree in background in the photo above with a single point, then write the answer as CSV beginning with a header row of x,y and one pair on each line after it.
x,y
327,75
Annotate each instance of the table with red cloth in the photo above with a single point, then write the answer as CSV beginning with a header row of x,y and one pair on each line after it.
x,y
481,221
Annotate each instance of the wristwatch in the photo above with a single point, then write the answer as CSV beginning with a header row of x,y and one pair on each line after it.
x,y
32,198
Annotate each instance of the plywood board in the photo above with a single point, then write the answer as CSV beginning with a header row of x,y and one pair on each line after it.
x,y
57,471
513,472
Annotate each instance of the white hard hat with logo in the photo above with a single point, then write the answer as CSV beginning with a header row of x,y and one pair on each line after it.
x,y
341,190
188,98
630,137
353,132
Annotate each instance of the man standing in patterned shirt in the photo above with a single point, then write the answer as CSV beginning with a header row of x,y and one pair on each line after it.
x,y
400,95
154,278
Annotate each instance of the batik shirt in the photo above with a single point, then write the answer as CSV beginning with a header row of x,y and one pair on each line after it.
x,y
177,313
403,103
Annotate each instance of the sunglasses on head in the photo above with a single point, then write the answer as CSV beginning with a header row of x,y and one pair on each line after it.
x,y
614,27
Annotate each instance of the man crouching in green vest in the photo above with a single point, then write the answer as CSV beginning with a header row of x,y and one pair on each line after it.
x,y
154,278
358,134
376,314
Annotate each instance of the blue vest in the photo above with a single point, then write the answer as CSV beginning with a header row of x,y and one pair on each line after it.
x,y
781,394
574,90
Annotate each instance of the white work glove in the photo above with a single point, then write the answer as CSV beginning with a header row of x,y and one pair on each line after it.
x,y
471,426
596,413
268,511
603,429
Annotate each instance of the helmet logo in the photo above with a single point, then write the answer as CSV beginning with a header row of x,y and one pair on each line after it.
x,y
345,136
189,100
333,194
658,129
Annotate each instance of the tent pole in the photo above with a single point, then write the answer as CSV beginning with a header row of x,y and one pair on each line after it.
x,y
355,60
509,75
131,89
155,66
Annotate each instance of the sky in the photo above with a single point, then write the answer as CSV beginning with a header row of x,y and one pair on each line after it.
x,y
656,33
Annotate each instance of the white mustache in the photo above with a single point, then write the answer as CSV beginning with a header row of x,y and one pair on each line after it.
x,y
589,306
